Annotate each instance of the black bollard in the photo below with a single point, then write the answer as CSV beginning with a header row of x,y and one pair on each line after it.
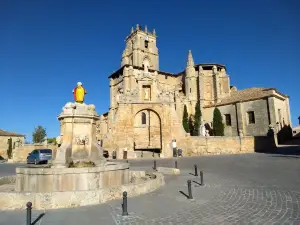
x,y
124,205
28,217
201,178
196,171
154,166
126,161
190,189
176,166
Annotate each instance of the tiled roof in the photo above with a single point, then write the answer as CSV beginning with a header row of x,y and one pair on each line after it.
x,y
12,134
247,95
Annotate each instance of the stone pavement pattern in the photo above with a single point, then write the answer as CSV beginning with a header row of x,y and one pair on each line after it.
x,y
239,189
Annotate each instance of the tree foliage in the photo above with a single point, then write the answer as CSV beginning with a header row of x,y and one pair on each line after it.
x,y
185,120
51,141
39,134
10,147
218,126
191,125
197,118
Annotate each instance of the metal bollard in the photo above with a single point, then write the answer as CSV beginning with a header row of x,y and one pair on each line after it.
x,y
124,205
28,217
196,171
201,178
190,189
154,166
126,161
176,166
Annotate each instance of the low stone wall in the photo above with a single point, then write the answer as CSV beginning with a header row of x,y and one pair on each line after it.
x,y
71,199
4,145
195,145
20,154
224,145
168,170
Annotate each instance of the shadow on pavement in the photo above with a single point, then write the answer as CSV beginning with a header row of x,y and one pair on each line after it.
x,y
286,156
181,192
193,174
197,183
284,150
38,218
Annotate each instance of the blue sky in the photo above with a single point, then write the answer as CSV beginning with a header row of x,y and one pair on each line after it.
x,y
46,47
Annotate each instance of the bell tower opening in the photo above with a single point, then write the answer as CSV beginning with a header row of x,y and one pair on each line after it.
x,y
141,44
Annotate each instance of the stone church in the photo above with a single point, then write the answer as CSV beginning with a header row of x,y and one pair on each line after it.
x,y
146,104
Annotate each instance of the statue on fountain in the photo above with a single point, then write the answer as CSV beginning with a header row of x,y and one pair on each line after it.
x,y
79,93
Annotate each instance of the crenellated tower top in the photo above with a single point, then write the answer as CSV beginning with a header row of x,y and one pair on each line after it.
x,y
141,49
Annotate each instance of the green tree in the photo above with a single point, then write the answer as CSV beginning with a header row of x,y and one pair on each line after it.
x,y
185,119
197,118
218,126
51,141
191,125
10,147
39,134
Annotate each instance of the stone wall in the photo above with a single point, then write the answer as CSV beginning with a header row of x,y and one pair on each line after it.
x,y
4,144
20,154
193,146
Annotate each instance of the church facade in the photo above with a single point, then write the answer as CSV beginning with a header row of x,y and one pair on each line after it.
x,y
146,104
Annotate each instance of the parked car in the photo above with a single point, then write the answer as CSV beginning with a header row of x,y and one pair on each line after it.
x,y
39,156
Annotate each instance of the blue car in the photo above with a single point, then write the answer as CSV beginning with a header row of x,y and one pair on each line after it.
x,y
39,156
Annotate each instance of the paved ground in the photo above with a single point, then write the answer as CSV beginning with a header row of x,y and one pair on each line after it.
x,y
239,189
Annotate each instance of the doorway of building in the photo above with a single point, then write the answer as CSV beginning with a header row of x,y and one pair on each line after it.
x,y
147,133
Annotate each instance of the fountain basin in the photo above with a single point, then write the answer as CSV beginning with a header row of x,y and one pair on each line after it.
x,y
71,179
140,183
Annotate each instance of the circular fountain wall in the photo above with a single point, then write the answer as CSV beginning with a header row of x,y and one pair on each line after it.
x,y
71,179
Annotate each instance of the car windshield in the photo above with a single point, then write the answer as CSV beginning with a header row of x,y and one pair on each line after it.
x,y
45,151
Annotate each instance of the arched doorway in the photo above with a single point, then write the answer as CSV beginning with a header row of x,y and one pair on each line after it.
x,y
147,133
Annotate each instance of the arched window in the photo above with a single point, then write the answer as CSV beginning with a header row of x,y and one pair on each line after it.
x,y
143,118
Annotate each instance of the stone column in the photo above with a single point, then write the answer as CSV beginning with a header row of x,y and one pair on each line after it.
x,y
271,103
201,86
112,93
240,118
126,80
287,103
132,78
216,79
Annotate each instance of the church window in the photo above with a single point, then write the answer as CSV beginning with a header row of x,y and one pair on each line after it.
x,y
190,90
228,119
143,118
146,44
251,117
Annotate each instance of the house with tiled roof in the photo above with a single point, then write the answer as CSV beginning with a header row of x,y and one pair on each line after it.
x,y
16,140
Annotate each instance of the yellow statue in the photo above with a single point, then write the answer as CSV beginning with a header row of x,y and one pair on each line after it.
x,y
79,93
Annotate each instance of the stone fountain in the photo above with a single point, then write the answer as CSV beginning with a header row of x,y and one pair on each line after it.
x,y
79,174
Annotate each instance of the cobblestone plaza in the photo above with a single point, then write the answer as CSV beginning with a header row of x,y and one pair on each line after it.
x,y
238,189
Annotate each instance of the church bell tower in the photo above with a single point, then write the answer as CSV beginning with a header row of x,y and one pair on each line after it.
x,y
141,49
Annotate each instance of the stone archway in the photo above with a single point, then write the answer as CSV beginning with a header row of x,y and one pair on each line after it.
x,y
147,131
